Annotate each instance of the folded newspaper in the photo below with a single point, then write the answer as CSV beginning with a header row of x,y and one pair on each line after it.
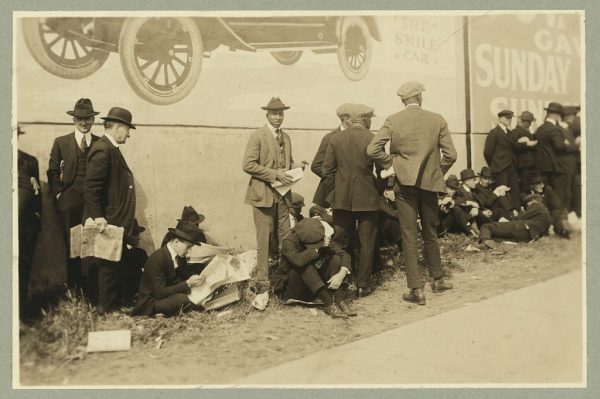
x,y
89,241
296,174
205,252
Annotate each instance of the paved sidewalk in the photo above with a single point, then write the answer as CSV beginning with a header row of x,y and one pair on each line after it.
x,y
532,335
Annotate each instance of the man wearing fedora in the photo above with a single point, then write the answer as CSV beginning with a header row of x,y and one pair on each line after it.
x,y
525,149
558,214
452,218
416,139
161,290
493,198
499,155
317,164
66,173
267,157
109,197
188,214
552,143
29,198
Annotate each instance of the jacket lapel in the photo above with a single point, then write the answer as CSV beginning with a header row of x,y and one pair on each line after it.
x,y
268,137
74,145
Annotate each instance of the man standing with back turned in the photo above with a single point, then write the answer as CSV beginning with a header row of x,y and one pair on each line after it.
x,y
416,137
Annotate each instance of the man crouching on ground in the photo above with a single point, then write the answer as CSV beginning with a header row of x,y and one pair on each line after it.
x,y
310,267
160,290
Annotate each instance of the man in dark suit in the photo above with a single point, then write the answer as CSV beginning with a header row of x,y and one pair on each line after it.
x,y
416,138
188,214
161,291
525,147
109,196
30,208
573,120
317,164
568,158
350,184
493,198
499,155
131,265
551,145
452,217
66,173
558,214
525,227
267,158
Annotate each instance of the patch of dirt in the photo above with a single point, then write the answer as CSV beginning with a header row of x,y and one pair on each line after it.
x,y
246,341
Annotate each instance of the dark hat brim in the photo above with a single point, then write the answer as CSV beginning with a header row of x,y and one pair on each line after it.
x,y
200,219
72,113
275,108
180,234
110,119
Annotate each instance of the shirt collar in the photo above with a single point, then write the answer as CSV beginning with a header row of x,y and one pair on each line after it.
x,y
173,255
413,105
503,127
466,188
273,129
551,121
112,140
342,128
79,136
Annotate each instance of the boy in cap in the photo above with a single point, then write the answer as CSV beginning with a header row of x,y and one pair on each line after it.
x,y
417,137
453,218
161,290
525,147
317,164
66,172
312,265
499,155
524,227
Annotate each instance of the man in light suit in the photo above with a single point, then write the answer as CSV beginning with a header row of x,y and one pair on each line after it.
x,y
267,157
416,136
500,157
350,184
109,196
66,172
317,164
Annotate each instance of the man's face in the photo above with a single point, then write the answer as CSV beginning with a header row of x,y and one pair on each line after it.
x,y
506,121
345,121
182,247
368,122
538,187
485,182
275,118
472,182
83,124
569,118
450,191
526,124
121,133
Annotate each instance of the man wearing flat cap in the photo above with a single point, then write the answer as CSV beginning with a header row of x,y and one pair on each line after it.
x,y
267,158
109,196
161,290
552,144
525,148
66,172
500,157
351,189
317,164
416,139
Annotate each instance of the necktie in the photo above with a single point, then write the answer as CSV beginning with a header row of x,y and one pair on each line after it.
x,y
84,146
279,137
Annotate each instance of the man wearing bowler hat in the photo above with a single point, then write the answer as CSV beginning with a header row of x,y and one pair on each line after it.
x,y
161,290
66,173
109,196
525,147
500,157
417,137
493,198
267,158
552,143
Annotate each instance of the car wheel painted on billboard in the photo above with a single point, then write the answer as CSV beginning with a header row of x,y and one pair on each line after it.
x,y
161,58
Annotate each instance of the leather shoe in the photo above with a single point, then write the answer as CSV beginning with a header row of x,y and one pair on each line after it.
x,y
333,311
440,285
415,296
345,307
564,234
364,291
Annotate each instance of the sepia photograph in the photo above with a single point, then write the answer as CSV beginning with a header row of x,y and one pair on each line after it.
x,y
299,199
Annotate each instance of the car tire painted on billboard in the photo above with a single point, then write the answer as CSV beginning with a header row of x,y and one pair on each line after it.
x,y
355,49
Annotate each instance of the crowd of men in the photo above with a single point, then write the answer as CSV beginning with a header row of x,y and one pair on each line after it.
x,y
367,197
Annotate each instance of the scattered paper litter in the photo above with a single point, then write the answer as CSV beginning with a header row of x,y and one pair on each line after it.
x,y
205,252
313,312
224,313
260,301
509,242
109,341
472,248
271,337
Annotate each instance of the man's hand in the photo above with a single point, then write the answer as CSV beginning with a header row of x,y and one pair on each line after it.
x,y
488,213
567,142
389,195
472,204
284,178
523,140
503,220
100,224
337,279
474,212
35,185
532,143
195,280
58,196
578,140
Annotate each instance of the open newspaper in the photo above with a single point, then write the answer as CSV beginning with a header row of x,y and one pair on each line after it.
x,y
296,174
89,241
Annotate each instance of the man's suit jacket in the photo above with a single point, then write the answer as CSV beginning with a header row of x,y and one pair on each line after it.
x,y
551,143
317,167
64,150
416,136
498,150
108,188
568,158
551,202
348,171
485,196
30,204
260,162
536,217
159,281
525,156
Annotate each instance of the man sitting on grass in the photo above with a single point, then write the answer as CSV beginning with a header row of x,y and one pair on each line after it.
x,y
524,227
310,267
161,291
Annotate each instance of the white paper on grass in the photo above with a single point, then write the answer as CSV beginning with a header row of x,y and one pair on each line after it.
x,y
205,252
109,341
296,174
89,241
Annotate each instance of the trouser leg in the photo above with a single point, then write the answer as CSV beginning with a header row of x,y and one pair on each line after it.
x,y
264,222
171,305
344,222
367,234
27,240
283,219
576,194
406,204
429,221
71,217
108,285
